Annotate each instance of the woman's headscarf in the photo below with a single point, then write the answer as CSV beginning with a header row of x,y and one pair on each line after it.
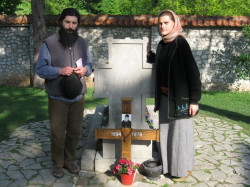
x,y
177,29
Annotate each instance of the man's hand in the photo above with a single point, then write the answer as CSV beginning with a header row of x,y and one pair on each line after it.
x,y
66,71
193,109
80,71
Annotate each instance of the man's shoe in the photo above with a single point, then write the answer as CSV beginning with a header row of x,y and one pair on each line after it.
x,y
181,179
72,168
58,172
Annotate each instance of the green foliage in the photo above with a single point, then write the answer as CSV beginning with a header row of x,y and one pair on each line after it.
x,y
243,66
134,7
108,7
243,60
85,6
205,7
9,7
142,6
55,7
246,31
125,7
24,8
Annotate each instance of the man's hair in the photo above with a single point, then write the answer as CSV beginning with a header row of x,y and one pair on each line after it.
x,y
69,12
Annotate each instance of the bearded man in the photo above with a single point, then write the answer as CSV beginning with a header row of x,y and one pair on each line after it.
x,y
64,60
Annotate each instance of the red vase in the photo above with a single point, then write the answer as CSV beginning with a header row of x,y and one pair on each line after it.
x,y
127,179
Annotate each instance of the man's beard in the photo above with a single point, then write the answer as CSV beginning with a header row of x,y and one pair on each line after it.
x,y
67,39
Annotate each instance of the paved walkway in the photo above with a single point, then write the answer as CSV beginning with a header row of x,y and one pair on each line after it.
x,y
222,158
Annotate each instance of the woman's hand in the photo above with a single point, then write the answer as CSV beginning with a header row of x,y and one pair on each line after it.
x,y
193,109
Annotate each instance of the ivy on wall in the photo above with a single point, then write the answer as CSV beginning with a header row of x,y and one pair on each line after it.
x,y
243,60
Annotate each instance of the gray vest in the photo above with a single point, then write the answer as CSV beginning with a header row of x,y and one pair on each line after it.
x,y
62,57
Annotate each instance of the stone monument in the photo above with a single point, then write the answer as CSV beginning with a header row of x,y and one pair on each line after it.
x,y
125,75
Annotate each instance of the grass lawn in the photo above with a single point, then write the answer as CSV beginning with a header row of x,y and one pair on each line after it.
x,y
233,107
19,106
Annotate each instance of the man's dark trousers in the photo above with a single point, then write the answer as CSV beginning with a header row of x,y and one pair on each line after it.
x,y
66,126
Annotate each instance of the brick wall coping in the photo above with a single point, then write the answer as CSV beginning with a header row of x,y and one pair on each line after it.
x,y
131,20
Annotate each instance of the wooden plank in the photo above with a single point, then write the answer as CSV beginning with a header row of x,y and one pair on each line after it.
x,y
126,135
143,134
137,134
108,134
126,143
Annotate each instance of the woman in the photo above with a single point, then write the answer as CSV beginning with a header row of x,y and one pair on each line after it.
x,y
178,90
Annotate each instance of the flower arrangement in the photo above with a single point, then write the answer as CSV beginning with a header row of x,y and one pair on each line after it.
x,y
125,167
148,120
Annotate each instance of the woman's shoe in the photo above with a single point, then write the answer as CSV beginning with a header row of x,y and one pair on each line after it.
x,y
181,179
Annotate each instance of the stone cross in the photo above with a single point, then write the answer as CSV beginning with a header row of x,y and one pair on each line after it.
x,y
125,75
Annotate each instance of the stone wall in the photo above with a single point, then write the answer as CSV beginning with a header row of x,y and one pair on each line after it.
x,y
15,55
214,49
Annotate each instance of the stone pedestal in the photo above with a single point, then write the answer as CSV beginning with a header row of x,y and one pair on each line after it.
x,y
104,164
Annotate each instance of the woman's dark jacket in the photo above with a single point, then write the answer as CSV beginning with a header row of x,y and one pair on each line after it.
x,y
184,85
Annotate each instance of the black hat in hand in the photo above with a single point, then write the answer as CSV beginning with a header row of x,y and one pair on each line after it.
x,y
71,86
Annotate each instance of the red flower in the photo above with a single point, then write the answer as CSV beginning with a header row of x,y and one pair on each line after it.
x,y
127,162
130,170
118,167
122,161
114,171
125,166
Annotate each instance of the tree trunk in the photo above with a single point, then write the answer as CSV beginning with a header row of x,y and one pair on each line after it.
x,y
39,31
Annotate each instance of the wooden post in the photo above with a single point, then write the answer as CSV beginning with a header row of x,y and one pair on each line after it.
x,y
126,142
127,134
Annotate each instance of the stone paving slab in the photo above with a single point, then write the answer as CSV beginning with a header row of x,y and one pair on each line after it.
x,y
221,158
25,156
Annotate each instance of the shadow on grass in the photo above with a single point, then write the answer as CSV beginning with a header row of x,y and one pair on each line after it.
x,y
229,114
92,103
20,106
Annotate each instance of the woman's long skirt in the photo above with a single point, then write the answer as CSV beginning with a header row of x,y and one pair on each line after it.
x,y
176,143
